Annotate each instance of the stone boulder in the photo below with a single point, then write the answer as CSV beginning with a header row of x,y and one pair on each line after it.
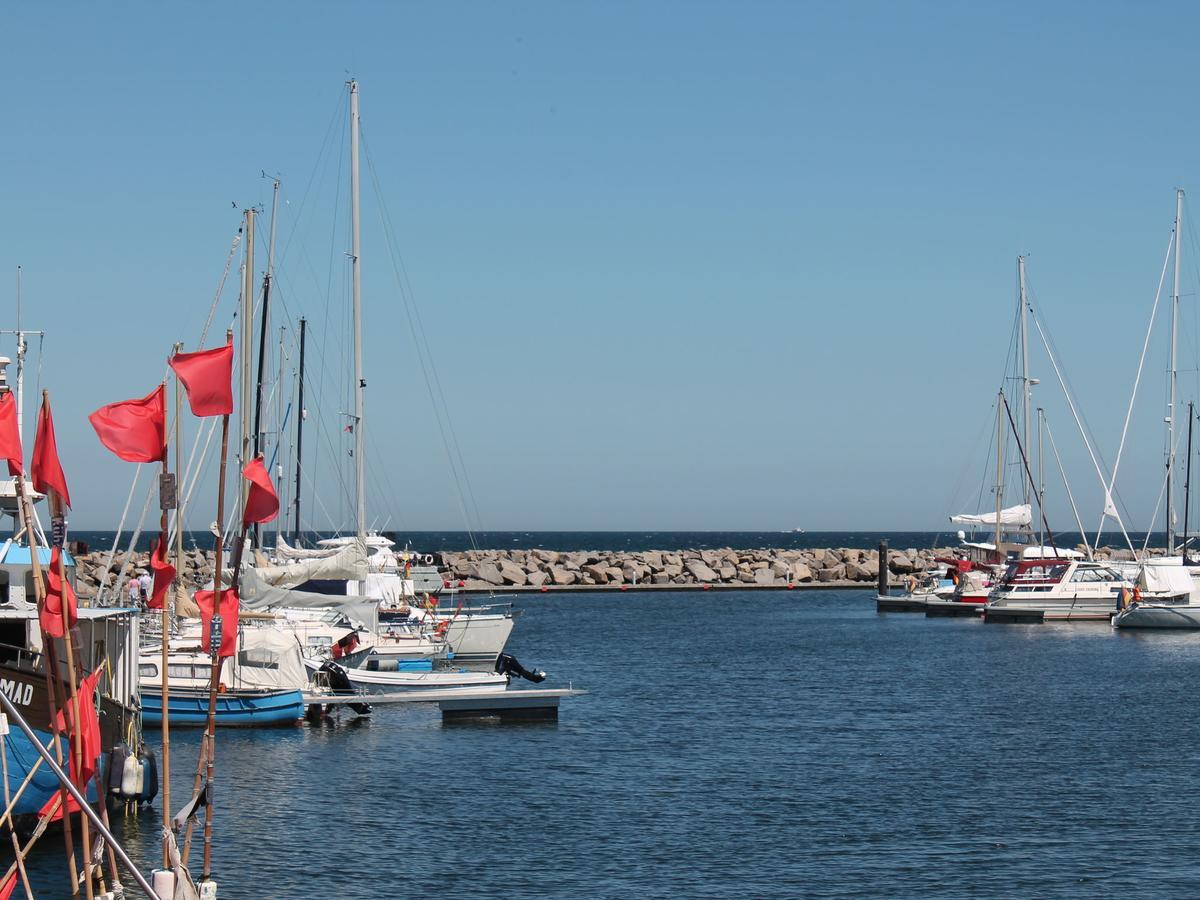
x,y
562,576
764,576
801,573
489,572
701,572
511,573
597,574
900,564
537,579
832,573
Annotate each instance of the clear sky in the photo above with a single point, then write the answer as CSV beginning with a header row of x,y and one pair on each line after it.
x,y
684,265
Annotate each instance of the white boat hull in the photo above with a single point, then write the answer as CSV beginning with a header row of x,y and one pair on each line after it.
x,y
1153,615
375,682
479,638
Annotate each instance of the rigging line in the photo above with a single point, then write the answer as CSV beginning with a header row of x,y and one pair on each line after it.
x,y
1067,485
1158,503
1071,403
426,357
117,537
337,117
960,481
1136,381
212,309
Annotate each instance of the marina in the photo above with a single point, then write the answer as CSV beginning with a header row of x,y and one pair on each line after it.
x,y
599,450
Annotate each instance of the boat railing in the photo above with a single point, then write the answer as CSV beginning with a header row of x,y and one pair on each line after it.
x,y
21,657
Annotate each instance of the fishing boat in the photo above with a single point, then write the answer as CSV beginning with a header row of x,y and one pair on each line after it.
x,y
262,684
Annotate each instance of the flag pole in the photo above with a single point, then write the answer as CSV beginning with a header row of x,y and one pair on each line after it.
x,y
214,646
51,671
166,627
58,531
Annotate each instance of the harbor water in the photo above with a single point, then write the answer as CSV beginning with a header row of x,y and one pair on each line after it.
x,y
762,743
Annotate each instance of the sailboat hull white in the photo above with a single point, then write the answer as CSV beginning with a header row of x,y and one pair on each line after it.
x,y
1151,615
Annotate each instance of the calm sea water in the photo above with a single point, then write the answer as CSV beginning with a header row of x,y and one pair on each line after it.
x,y
453,541
763,744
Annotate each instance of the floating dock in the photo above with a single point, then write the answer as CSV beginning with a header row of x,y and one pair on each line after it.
x,y
902,603
952,609
526,704
1007,615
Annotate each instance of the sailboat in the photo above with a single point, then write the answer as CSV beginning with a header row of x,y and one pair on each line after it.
x,y
369,587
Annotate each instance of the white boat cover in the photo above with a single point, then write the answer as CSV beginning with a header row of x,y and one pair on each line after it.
x,y
268,659
284,550
1165,579
1013,515
349,563
259,594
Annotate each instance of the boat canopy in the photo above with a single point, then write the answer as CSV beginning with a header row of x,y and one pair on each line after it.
x,y
1013,515
14,554
349,564
1165,579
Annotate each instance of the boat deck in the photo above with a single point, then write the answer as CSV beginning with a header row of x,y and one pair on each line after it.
x,y
903,603
533,703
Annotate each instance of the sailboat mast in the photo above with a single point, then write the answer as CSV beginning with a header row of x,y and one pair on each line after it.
x,y
299,434
1187,482
1174,377
1000,437
1041,474
264,325
247,353
360,505
1024,365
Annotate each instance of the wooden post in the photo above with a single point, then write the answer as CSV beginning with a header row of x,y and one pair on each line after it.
x,y
883,568
16,843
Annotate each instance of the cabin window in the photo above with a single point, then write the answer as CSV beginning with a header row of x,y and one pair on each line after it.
x,y
258,659
148,670
186,671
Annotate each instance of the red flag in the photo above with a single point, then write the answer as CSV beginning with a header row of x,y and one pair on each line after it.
x,y
207,375
229,620
89,729
10,438
51,615
262,503
164,573
9,884
46,469
135,430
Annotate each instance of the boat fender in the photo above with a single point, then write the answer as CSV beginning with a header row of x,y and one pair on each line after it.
x,y
129,776
150,775
116,767
441,628
507,664
163,882
139,779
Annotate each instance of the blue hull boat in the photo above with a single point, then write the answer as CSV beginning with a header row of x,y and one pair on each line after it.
x,y
22,757
240,708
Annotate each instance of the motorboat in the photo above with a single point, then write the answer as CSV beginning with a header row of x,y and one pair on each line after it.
x,y
1042,588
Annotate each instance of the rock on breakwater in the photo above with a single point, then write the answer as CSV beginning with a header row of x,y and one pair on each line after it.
x,y
484,569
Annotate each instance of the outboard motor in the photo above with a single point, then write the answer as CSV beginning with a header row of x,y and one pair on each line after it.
x,y
507,664
339,682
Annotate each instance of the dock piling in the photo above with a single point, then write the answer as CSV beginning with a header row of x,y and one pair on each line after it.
x,y
883,568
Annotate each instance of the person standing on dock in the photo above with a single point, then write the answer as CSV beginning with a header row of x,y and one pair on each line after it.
x,y
146,583
135,592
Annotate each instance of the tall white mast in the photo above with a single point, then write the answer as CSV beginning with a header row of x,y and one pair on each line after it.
x,y
1024,368
360,503
247,356
1173,378
999,472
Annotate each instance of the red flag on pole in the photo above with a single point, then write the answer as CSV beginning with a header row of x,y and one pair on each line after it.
x,y
9,884
58,592
45,468
10,437
229,620
164,573
262,503
88,729
207,376
135,430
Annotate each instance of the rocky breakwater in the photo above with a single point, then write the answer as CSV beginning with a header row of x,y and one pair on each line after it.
x,y
94,569
843,567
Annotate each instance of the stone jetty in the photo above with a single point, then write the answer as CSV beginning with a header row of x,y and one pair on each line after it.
x,y
483,570
842,567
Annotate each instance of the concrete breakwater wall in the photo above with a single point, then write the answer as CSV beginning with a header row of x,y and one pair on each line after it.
x,y
484,569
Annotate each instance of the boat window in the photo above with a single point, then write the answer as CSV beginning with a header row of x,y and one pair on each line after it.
x,y
260,659
183,670
148,670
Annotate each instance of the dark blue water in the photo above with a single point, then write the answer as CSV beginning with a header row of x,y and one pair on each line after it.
x,y
771,744
632,541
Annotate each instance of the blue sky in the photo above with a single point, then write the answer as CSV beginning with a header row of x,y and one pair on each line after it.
x,y
686,265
